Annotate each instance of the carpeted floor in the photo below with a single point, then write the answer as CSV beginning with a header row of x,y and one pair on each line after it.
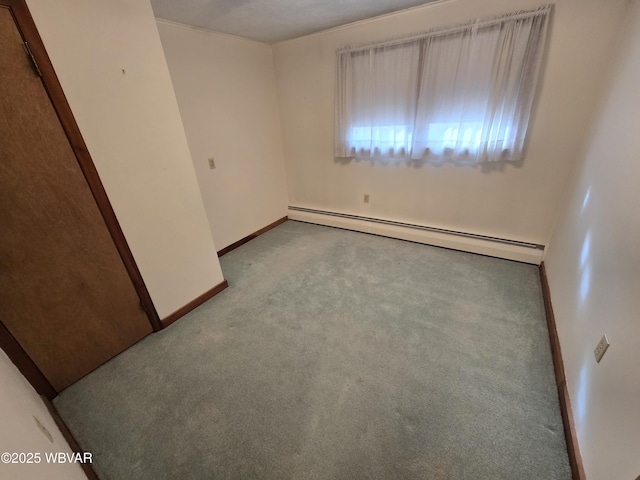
x,y
336,355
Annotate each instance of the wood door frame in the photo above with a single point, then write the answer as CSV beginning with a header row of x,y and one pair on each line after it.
x,y
27,28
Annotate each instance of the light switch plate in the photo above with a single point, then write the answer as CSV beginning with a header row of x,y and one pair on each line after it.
x,y
603,344
212,163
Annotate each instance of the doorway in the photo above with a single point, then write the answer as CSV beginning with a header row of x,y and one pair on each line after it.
x,y
71,296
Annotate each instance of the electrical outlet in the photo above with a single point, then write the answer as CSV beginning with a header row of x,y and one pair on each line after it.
x,y
212,163
366,198
603,344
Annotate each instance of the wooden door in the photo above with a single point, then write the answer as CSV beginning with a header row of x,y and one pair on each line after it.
x,y
65,294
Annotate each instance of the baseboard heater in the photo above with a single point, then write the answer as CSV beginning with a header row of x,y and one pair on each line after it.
x,y
465,241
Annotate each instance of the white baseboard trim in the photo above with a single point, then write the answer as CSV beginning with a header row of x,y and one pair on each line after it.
x,y
493,247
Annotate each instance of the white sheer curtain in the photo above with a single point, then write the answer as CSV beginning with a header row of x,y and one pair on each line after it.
x,y
462,94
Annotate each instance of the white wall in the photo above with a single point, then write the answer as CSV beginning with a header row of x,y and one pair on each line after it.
x,y
19,403
132,127
593,267
226,92
517,202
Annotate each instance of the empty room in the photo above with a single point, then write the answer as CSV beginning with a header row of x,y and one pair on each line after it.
x,y
314,239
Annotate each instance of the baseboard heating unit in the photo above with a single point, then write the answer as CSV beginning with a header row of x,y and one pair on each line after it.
x,y
464,241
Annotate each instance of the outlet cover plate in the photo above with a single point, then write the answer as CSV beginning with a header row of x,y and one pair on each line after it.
x,y
602,346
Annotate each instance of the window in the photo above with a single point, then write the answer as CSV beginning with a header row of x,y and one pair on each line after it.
x,y
462,94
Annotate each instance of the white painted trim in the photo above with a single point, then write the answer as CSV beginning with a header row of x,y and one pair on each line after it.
x,y
438,239
228,36
433,3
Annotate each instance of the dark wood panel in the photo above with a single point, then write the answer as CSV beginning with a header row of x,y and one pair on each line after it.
x,y
68,436
250,237
26,366
573,449
558,366
65,292
181,312
58,99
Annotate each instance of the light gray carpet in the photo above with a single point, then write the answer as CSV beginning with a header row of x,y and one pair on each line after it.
x,y
336,355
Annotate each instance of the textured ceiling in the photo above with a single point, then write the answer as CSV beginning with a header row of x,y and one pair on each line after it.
x,y
272,21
